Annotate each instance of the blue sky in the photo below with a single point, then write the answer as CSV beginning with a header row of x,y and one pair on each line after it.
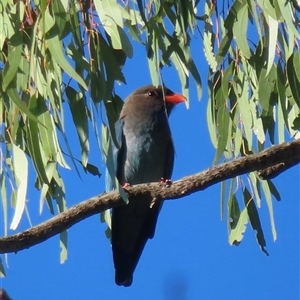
x,y
189,257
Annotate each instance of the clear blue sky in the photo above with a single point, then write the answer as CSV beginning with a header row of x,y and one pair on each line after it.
x,y
189,257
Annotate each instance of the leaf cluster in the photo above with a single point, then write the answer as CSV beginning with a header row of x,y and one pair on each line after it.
x,y
63,58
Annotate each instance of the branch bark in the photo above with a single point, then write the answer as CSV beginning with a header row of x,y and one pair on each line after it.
x,y
276,155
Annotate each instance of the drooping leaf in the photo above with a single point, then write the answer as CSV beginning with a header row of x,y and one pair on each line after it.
x,y
79,115
21,175
254,219
272,42
63,242
208,44
293,79
236,235
233,212
274,190
4,201
92,169
34,143
12,93
268,197
13,59
222,126
240,30
56,51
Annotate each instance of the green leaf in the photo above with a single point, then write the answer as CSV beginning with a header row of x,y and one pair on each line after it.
x,y
34,144
63,242
240,86
23,75
4,202
266,87
12,93
292,75
153,58
226,83
46,130
267,8
60,158
75,23
59,192
281,82
183,74
286,12
224,47
210,115
272,42
60,15
111,18
253,9
254,219
233,12
141,9
55,48
208,45
233,211
296,123
105,216
236,235
108,11
255,187
112,68
258,129
21,174
239,30
267,193
50,169
79,115
274,190
92,169
238,138
296,63
193,69
222,127
13,59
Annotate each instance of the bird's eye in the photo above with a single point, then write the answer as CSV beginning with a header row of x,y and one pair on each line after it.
x,y
151,93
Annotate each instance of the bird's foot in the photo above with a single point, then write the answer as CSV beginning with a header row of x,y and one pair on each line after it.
x,y
166,182
125,185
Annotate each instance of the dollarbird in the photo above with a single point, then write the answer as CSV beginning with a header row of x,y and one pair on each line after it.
x,y
145,154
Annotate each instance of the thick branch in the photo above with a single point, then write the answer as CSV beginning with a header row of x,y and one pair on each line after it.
x,y
273,156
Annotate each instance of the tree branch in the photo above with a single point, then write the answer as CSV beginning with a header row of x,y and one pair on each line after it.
x,y
273,156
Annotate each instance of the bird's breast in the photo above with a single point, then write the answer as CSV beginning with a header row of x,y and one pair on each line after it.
x,y
146,154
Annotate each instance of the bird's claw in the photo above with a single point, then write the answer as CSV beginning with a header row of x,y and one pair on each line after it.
x,y
166,182
125,185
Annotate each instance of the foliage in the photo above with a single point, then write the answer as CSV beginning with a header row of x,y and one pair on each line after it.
x,y
60,54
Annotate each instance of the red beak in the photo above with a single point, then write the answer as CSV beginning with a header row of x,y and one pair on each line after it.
x,y
175,98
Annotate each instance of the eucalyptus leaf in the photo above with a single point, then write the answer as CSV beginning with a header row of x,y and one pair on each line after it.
x,y
21,174
236,235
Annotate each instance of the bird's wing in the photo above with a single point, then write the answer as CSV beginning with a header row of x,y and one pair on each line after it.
x,y
114,156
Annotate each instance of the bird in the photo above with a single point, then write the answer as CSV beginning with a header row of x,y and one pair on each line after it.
x,y
145,154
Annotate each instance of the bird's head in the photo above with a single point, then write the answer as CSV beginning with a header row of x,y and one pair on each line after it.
x,y
156,98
